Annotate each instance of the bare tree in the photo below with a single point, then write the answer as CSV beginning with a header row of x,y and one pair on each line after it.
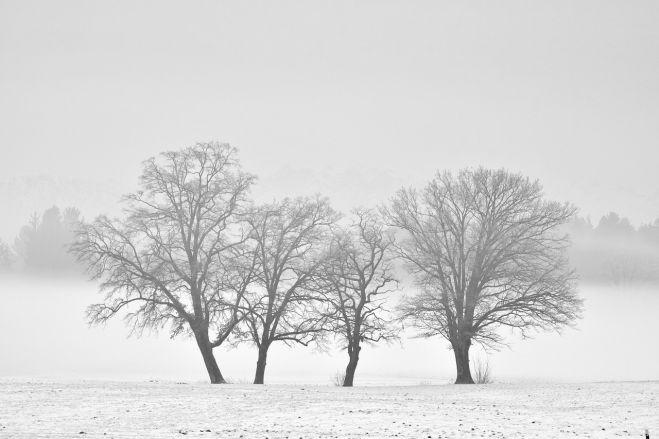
x,y
356,281
178,258
290,238
484,248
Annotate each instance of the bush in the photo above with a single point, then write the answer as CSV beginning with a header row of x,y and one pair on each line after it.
x,y
339,378
481,372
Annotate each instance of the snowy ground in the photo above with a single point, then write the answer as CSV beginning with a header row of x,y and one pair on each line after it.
x,y
170,410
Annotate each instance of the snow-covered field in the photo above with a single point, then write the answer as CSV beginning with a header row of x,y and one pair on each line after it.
x,y
32,409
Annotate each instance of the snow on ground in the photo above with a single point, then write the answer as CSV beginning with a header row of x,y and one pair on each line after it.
x,y
42,409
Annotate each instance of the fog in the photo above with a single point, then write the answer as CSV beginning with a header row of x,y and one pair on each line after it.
x,y
351,100
47,337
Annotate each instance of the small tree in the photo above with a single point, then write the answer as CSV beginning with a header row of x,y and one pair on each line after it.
x,y
7,257
178,258
290,239
356,281
25,242
484,248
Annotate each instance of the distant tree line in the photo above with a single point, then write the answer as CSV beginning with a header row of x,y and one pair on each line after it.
x,y
193,254
611,251
43,244
614,251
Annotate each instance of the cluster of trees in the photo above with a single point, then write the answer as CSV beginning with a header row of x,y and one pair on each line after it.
x,y
43,243
615,251
193,254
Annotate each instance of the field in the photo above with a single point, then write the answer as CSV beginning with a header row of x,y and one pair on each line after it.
x,y
46,409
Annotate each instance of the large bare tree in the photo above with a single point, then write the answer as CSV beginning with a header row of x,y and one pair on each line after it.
x,y
291,239
178,258
356,280
484,247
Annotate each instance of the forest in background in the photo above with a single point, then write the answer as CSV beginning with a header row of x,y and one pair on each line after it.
x,y
612,250
41,245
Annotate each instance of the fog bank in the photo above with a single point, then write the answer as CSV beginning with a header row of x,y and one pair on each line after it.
x,y
45,335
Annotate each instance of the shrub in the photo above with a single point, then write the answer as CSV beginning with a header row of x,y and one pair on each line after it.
x,y
339,378
481,372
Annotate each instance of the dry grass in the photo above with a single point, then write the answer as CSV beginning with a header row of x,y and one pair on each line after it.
x,y
481,371
339,378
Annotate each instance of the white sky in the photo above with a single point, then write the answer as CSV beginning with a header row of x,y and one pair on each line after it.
x,y
350,98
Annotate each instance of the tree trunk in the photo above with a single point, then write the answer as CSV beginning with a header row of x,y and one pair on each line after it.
x,y
209,359
461,352
351,368
260,365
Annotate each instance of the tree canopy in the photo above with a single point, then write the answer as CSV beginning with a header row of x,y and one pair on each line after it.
x,y
178,258
486,252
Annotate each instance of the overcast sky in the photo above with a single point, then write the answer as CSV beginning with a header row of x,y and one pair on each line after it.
x,y
350,98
